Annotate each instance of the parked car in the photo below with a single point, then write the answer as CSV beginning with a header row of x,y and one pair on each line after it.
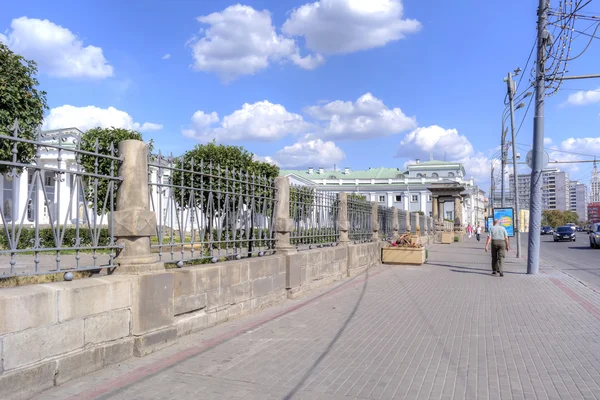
x,y
547,230
595,236
564,233
579,229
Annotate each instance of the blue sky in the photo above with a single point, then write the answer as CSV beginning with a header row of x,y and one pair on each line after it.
x,y
347,82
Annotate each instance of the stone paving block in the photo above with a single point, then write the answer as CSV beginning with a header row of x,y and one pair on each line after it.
x,y
186,304
184,282
152,302
207,278
262,287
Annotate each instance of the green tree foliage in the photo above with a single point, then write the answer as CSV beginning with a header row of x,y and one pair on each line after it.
x,y
21,100
223,170
104,141
555,218
301,202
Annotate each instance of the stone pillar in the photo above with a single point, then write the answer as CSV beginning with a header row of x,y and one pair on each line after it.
x,y
434,208
375,221
441,212
407,226
457,213
152,312
343,223
283,223
417,224
133,222
395,225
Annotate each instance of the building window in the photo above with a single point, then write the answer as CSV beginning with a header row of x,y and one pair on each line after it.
x,y
450,174
381,199
398,198
7,200
414,198
429,198
435,175
419,175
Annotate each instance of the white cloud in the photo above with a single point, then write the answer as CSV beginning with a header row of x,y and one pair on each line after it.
x,y
582,97
262,121
88,117
166,56
441,142
309,152
57,50
242,41
368,117
547,141
344,26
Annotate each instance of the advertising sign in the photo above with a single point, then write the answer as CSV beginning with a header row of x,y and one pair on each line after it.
x,y
489,223
506,218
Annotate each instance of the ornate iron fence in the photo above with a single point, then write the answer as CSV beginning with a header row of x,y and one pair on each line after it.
x,y
423,224
359,219
207,214
57,198
314,215
402,216
413,222
385,217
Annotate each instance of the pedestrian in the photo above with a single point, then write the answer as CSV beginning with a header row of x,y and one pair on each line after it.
x,y
499,239
478,233
470,231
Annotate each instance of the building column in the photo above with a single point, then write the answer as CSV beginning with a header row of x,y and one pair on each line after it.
x,y
441,215
423,202
434,208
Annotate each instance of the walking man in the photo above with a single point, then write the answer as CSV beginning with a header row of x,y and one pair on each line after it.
x,y
499,239
478,233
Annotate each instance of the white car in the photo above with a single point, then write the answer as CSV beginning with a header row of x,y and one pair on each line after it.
x,y
595,236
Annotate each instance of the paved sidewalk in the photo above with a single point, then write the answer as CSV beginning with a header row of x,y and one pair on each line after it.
x,y
444,330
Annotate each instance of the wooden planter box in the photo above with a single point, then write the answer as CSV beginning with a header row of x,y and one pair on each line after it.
x,y
447,237
403,255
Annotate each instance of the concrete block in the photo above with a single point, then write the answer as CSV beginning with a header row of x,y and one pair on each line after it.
x,y
262,287
25,383
218,298
27,307
258,269
295,264
242,292
315,257
207,278
85,297
153,341
152,302
186,304
34,345
106,327
79,364
191,323
231,273
279,282
118,351
341,253
184,282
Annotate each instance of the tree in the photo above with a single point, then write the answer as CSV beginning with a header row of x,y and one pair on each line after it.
x,y
223,177
103,141
19,100
555,218
301,202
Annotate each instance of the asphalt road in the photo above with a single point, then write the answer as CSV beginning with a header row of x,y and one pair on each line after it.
x,y
575,258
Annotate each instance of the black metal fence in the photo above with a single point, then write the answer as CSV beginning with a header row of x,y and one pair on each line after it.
x,y
359,219
314,215
385,217
402,217
58,195
209,213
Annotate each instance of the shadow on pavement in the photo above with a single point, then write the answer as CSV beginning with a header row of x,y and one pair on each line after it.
x,y
581,248
486,270
332,343
472,272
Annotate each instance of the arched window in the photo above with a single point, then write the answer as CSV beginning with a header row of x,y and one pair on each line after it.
x,y
400,176
419,175
332,177
435,175
450,174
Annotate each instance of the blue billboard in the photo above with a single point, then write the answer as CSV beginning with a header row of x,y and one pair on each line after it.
x,y
506,218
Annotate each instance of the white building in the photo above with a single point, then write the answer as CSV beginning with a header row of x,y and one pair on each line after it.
x,y
555,190
595,185
404,189
579,199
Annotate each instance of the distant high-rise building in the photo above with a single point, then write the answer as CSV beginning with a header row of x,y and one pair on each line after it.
x,y
595,185
594,212
579,199
555,190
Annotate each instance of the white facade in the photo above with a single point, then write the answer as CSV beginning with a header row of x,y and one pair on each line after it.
x,y
405,190
579,199
595,185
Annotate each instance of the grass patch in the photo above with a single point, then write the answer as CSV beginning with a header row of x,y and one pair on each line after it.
x,y
35,279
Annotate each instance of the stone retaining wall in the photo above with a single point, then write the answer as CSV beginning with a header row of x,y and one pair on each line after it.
x,y
51,333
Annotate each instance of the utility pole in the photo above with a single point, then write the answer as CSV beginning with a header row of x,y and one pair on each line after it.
x,y
511,93
503,164
535,208
492,188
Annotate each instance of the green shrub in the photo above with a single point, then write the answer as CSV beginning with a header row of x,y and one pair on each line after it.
x,y
27,238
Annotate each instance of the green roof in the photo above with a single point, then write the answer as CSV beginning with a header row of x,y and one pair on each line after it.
x,y
372,173
433,163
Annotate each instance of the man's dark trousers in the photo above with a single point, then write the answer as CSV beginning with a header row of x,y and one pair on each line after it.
x,y
498,253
